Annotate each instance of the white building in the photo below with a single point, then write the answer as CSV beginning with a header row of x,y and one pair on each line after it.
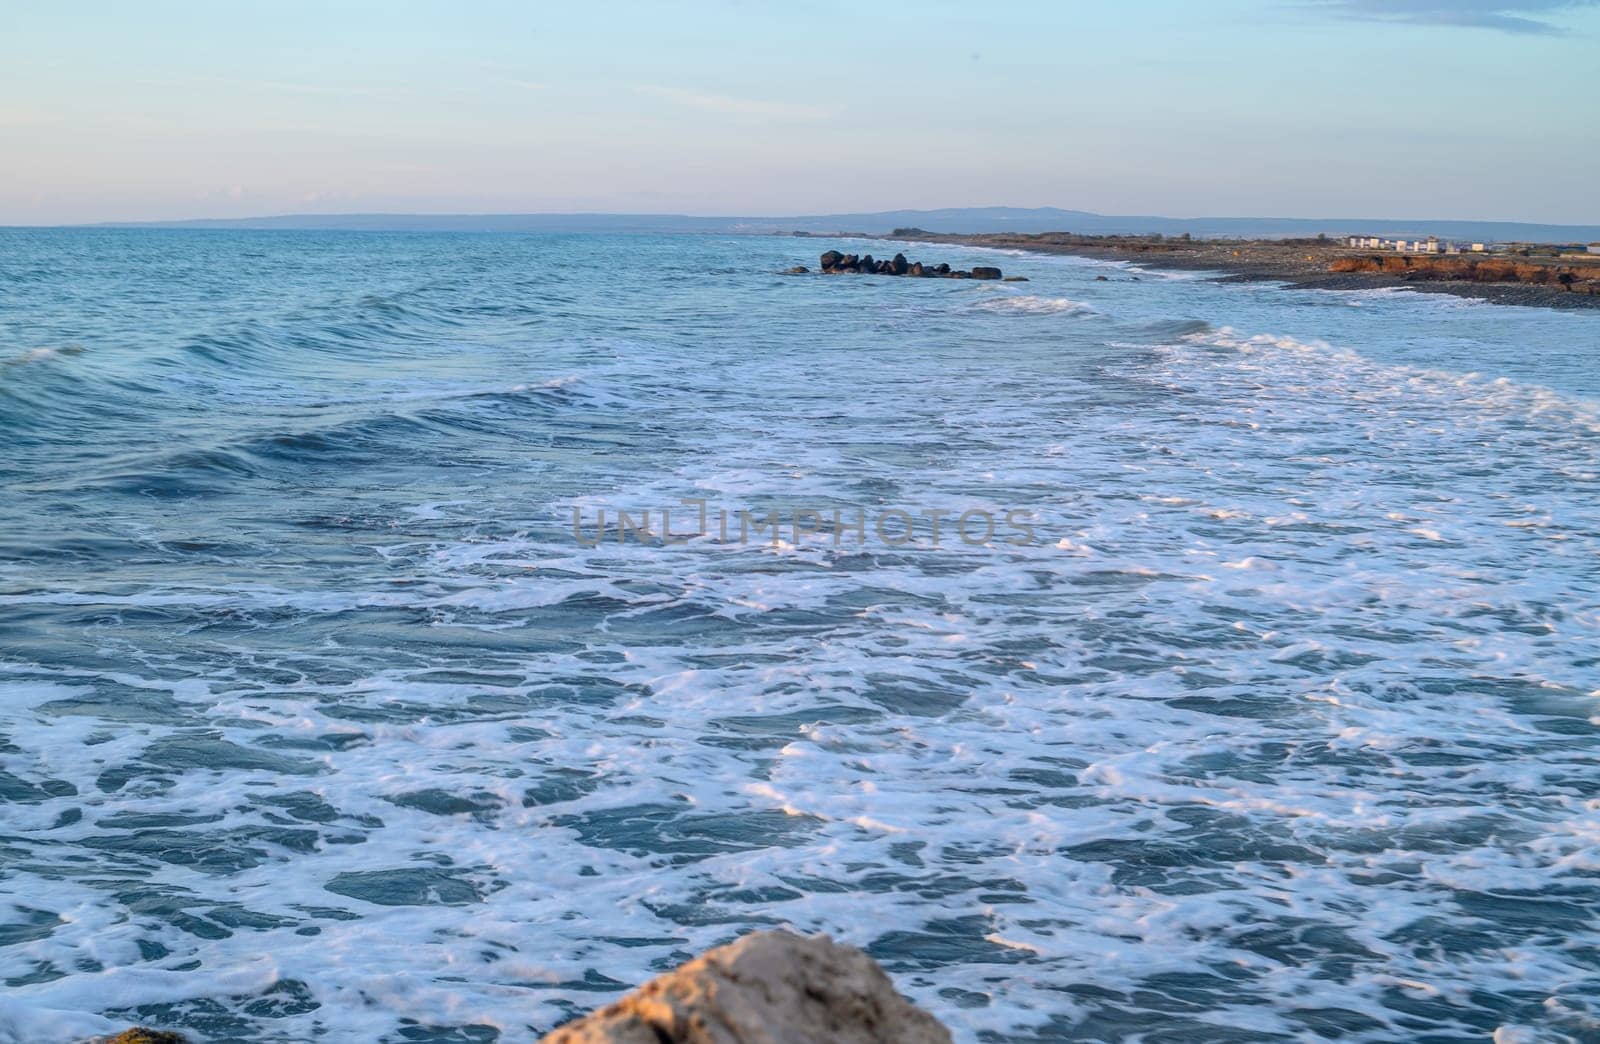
x,y
1429,245
1594,248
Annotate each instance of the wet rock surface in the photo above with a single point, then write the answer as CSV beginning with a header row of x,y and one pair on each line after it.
x,y
835,263
766,987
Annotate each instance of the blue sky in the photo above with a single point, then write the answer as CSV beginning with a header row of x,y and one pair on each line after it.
x,y
1325,108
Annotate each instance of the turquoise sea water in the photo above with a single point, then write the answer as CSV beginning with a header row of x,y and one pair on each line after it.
x,y
318,720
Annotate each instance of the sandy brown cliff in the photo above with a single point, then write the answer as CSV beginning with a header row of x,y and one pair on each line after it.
x,y
1577,278
1537,275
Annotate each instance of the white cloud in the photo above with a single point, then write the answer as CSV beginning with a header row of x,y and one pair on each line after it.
x,y
1523,17
21,117
736,106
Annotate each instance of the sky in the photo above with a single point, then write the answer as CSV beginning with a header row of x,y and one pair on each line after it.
x,y
166,109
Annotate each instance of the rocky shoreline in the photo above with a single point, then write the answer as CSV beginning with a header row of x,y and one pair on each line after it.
x,y
1319,265
835,263
763,988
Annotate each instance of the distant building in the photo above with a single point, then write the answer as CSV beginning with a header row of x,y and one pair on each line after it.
x,y
1430,245
1434,245
1594,248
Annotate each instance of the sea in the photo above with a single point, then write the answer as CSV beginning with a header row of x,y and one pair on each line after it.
x,y
428,637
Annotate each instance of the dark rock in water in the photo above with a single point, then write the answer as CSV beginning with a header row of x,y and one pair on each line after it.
x,y
798,270
899,265
140,1035
1016,279
1101,279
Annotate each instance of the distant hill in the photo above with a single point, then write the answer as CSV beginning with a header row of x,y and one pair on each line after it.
x,y
953,220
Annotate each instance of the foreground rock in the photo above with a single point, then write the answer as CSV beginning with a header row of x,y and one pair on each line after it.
x,y
835,263
766,988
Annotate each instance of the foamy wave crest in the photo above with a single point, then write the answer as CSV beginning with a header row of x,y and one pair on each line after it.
x,y
1323,369
1228,337
1030,305
553,383
41,354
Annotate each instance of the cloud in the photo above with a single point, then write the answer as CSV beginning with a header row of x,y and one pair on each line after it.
x,y
736,106
1523,17
318,88
19,116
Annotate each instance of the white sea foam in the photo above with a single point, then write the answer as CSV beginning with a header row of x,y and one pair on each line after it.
x,y
1030,305
34,355
1295,684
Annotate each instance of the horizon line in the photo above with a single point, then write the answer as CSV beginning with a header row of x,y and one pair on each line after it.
x,y
812,216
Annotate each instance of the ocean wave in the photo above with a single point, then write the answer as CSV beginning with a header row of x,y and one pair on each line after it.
x,y
1349,373
1175,329
1295,681
1030,305
36,355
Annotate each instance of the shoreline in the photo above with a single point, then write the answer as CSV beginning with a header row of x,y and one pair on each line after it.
x,y
1298,264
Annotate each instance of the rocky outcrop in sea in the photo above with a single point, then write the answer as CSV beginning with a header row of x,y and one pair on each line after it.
x,y
766,987
835,263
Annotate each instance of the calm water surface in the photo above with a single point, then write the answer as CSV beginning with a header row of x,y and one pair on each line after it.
x,y
317,722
